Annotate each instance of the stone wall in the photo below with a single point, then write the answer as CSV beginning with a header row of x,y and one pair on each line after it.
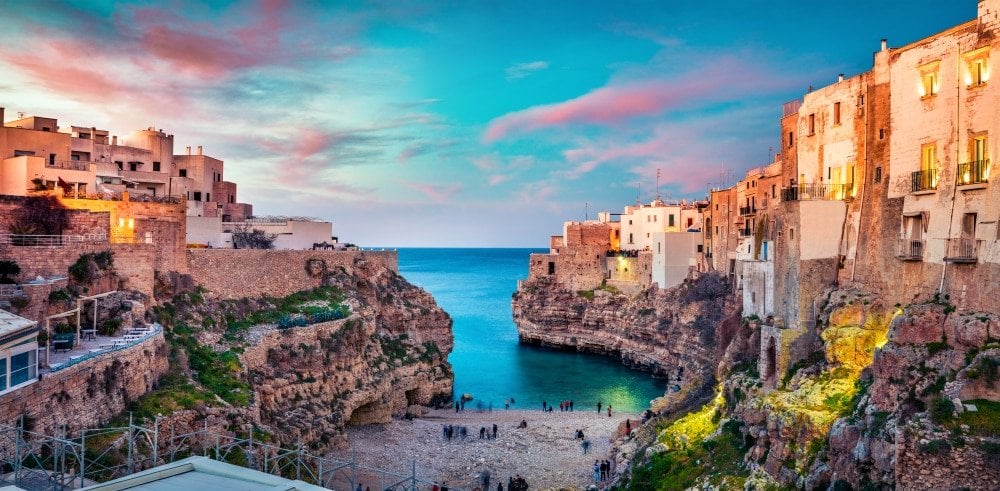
x,y
238,273
88,394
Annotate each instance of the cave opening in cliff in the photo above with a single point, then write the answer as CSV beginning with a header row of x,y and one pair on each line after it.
x,y
371,412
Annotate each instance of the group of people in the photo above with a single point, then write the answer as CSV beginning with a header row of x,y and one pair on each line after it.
x,y
564,406
450,432
602,470
599,405
514,483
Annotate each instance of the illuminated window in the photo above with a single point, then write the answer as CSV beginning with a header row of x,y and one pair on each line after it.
x,y
928,157
930,82
836,113
977,67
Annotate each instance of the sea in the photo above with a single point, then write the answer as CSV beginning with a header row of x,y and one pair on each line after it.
x,y
475,287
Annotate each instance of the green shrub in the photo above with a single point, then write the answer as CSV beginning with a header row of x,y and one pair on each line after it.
x,y
934,347
588,294
942,410
985,421
936,447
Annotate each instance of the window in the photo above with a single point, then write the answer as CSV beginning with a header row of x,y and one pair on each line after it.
x,y
878,174
791,139
630,238
881,133
690,222
184,173
120,164
836,113
928,157
134,166
716,230
84,136
552,267
812,124
791,234
930,83
977,66
670,220
978,150
197,195
20,153
208,196
156,167
22,367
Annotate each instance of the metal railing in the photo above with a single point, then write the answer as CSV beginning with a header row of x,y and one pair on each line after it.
x,y
69,460
806,192
974,172
747,211
910,249
924,180
70,164
118,347
962,250
11,291
51,240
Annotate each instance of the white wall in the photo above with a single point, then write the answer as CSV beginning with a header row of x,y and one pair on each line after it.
x,y
674,254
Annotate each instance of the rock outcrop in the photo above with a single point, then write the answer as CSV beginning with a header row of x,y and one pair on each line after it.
x,y
681,333
306,381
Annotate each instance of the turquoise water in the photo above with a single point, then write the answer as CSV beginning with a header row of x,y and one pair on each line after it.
x,y
475,287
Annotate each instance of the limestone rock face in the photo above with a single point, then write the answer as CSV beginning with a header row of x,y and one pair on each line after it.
x,y
680,331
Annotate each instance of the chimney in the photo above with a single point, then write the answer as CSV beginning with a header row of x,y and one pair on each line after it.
x,y
840,78
199,149
1,116
884,44
114,140
188,149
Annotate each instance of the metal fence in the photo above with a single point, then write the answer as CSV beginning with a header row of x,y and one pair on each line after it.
x,y
74,459
51,240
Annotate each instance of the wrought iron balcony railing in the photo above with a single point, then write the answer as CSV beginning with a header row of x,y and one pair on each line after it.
x,y
924,180
746,211
910,249
962,250
974,172
805,192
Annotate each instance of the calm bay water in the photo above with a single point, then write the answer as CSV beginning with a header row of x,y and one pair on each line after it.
x,y
475,287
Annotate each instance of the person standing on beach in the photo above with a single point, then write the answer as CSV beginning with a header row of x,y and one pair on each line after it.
x,y
494,431
598,407
482,432
543,406
586,446
597,471
609,410
571,405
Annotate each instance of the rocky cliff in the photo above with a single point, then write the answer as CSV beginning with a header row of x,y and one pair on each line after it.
x,y
681,333
293,368
883,396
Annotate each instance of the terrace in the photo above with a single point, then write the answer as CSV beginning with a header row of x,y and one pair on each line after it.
x,y
805,192
92,346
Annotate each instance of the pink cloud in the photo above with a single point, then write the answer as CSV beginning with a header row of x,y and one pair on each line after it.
x,y
497,179
619,102
438,193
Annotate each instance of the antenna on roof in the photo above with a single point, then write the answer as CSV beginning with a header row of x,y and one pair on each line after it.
x,y
586,211
657,183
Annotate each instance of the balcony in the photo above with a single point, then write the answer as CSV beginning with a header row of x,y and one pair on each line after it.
x,y
923,180
910,250
746,211
963,250
976,172
806,192
83,165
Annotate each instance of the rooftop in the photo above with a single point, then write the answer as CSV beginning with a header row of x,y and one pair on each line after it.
x,y
203,473
13,323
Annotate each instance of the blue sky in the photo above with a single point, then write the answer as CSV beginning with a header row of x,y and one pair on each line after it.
x,y
449,123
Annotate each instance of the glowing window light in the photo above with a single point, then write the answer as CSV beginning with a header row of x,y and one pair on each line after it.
x,y
121,222
131,223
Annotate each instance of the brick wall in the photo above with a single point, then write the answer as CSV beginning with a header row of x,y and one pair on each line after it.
x,y
88,394
238,273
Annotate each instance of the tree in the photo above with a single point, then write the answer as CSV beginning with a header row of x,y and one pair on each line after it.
x,y
41,215
245,238
8,271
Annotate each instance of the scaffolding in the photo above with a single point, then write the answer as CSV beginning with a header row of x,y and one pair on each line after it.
x,y
75,459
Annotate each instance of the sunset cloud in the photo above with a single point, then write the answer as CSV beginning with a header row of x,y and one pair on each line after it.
x,y
437,193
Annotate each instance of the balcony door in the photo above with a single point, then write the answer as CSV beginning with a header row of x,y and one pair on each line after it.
x,y
969,226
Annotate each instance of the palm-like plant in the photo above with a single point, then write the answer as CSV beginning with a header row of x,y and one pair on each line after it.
x,y
8,271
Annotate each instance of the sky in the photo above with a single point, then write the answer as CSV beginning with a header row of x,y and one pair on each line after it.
x,y
450,124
